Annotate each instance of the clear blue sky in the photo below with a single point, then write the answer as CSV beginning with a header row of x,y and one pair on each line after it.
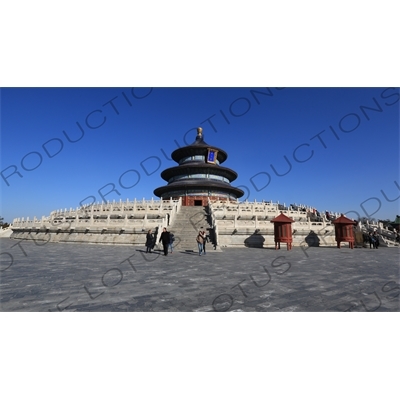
x,y
265,126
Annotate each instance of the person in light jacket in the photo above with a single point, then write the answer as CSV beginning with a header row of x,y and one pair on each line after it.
x,y
200,239
149,241
171,242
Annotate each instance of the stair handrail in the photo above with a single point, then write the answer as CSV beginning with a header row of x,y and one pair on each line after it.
x,y
214,224
160,227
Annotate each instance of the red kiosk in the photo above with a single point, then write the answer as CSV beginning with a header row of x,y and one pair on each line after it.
x,y
344,231
283,231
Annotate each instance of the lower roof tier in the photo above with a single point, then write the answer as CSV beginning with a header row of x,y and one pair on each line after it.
x,y
183,188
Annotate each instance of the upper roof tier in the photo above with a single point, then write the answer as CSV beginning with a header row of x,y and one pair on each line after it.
x,y
198,148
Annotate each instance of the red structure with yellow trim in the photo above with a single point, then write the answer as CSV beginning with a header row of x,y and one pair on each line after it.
x,y
283,231
344,231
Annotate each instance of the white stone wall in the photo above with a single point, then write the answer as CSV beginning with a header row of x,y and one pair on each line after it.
x,y
249,224
235,224
138,239
107,223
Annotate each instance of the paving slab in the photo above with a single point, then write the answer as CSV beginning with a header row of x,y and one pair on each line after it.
x,y
102,278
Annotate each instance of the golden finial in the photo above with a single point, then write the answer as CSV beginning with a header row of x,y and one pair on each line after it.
x,y
199,131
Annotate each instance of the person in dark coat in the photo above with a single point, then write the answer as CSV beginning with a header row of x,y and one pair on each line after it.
x,y
149,241
165,239
376,237
371,241
205,240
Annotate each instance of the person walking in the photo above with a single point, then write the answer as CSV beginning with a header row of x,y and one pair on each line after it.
x,y
149,241
171,241
165,239
200,240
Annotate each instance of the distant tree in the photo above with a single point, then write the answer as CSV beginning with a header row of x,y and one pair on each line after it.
x,y
3,224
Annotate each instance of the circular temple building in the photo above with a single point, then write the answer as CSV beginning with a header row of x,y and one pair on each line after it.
x,y
199,175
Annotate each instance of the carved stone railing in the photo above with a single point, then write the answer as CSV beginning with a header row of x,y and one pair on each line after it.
x,y
213,221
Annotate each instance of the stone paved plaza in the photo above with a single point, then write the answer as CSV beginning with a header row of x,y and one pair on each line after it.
x,y
83,277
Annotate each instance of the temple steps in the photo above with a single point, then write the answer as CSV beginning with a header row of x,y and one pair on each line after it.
x,y
186,226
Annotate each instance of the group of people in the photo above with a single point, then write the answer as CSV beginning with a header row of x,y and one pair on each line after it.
x,y
167,239
373,239
201,240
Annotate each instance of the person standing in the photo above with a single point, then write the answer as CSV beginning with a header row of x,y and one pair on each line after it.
x,y
200,241
376,237
371,240
165,239
171,241
149,241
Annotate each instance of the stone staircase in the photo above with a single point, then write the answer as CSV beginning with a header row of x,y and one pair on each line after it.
x,y
5,233
186,226
386,238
